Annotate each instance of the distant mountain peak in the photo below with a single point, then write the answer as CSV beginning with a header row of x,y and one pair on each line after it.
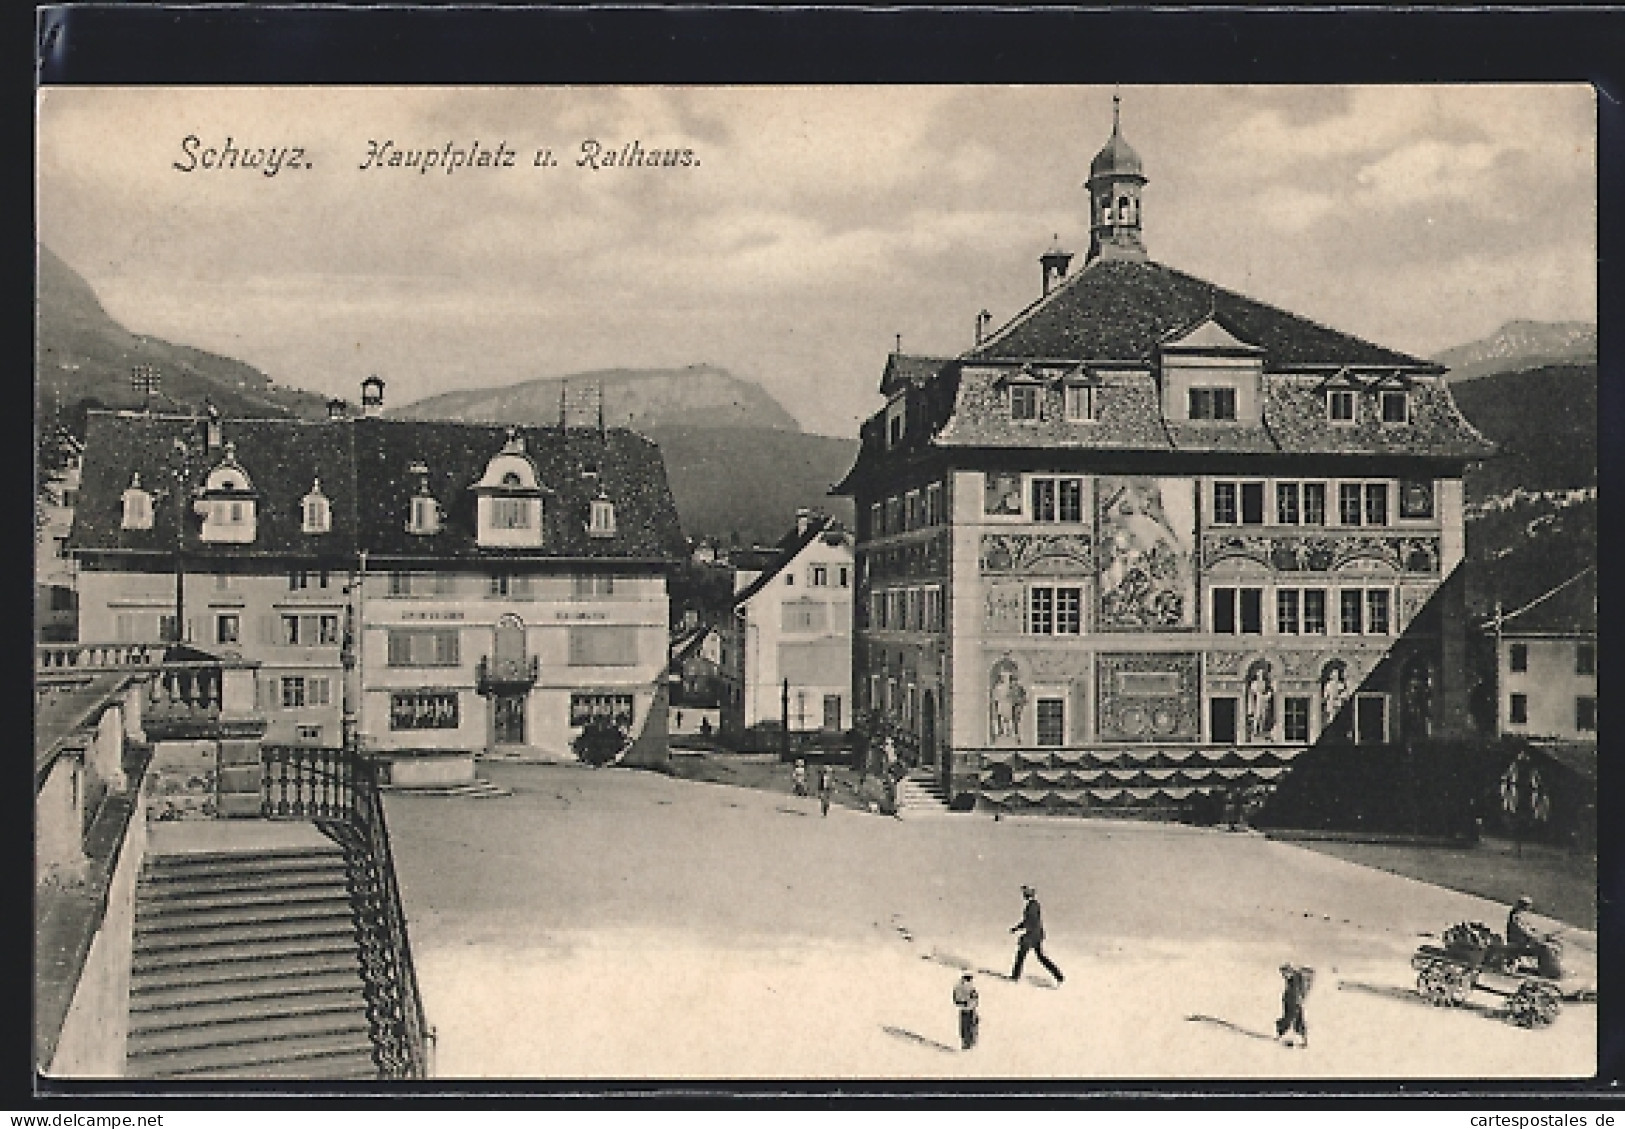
x,y
696,395
1521,344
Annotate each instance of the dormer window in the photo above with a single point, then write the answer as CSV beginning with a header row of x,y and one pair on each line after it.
x,y
508,509
137,506
1396,406
1341,405
601,521
317,514
1080,403
1213,404
1024,401
423,517
227,503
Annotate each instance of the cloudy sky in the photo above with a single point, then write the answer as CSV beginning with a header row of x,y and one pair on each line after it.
x,y
813,225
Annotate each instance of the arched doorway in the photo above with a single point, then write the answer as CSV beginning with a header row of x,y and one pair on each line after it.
x,y
508,673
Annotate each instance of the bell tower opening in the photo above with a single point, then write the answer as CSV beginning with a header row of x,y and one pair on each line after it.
x,y
1115,180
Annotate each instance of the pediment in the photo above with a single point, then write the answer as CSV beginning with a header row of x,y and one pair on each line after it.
x,y
1208,336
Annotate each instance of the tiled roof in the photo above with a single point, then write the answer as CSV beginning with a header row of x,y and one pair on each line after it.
x,y
1118,310
1295,411
1128,407
281,457
362,466
902,368
1568,609
630,471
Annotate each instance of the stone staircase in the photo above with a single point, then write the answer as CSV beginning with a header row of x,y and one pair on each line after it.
x,y
919,796
246,966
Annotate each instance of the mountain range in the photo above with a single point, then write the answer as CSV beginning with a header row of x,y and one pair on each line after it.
x,y
740,466
1522,345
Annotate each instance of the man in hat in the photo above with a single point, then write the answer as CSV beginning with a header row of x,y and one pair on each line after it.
x,y
1523,939
965,1000
1031,928
1293,993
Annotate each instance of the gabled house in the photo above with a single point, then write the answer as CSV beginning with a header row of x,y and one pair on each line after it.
x,y
1546,664
496,587
787,655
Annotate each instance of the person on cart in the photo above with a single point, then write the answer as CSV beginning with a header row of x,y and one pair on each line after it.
x,y
1523,939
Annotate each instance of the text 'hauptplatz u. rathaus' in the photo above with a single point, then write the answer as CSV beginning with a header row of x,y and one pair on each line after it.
x,y
1153,537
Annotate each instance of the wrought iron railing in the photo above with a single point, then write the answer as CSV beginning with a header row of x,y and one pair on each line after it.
x,y
340,790
492,673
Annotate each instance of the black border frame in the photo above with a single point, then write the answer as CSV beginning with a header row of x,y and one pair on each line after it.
x,y
93,44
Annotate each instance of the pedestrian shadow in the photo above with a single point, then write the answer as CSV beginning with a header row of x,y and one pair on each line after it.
x,y
1229,1026
1409,996
790,811
917,1039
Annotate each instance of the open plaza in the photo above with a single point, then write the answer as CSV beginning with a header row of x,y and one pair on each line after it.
x,y
623,924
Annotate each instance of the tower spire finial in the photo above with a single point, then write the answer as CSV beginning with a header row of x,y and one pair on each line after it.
x,y
1117,108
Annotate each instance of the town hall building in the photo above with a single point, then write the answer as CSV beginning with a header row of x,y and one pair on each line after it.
x,y
1153,538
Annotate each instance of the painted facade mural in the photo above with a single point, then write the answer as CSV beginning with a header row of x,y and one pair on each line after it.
x,y
1335,689
1002,495
1148,697
1006,605
1060,554
1321,553
1258,697
1147,558
1007,700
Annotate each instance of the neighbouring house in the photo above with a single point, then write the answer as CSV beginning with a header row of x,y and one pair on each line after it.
x,y
787,654
1546,664
496,587
1154,538
56,597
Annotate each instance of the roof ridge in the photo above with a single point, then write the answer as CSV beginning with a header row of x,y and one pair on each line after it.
x,y
1239,296
1541,599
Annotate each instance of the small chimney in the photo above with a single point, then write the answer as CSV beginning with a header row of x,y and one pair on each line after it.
x,y
1055,262
803,520
372,396
983,320
211,427
338,409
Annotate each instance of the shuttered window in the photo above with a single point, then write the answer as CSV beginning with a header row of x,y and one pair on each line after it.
x,y
437,646
603,646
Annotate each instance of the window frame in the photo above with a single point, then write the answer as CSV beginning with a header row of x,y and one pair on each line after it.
x,y
1585,660
1024,402
1086,392
1342,396
1585,713
1518,709
1057,702
1387,396
1211,403
1297,719
1518,658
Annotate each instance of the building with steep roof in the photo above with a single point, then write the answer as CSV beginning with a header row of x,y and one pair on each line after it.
x,y
499,586
787,651
1169,536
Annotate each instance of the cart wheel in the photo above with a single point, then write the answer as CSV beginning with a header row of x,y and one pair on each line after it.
x,y
1432,982
1534,1005
1458,983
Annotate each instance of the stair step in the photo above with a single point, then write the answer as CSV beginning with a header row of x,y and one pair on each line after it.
x,y
244,872
328,923
150,1000
353,1065
186,917
250,1021
308,891
282,1057
205,962
263,858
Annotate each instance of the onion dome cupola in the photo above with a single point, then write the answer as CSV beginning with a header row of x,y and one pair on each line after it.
x,y
1115,179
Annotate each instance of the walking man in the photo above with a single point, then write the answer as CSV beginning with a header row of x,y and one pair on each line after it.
x,y
1292,997
798,778
1031,928
965,1000
826,785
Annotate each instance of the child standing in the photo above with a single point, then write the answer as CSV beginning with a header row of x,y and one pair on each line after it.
x,y
1292,997
798,777
965,999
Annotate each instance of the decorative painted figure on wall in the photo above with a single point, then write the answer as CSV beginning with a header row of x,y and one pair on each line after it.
x,y
1334,691
1260,702
1003,494
1007,697
1147,554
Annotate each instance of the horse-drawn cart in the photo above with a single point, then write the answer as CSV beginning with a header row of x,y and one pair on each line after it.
x,y
1475,957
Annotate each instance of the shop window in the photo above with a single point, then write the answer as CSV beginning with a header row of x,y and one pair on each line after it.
x,y
423,710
